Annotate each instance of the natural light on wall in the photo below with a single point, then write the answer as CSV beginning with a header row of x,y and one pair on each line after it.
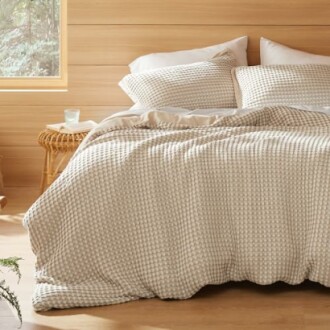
x,y
33,45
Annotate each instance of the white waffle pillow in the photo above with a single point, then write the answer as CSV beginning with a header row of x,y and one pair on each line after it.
x,y
200,85
289,85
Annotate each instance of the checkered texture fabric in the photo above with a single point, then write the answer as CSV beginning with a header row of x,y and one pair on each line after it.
x,y
288,85
199,85
150,208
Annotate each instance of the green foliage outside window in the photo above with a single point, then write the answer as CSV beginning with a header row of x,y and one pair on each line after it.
x,y
29,38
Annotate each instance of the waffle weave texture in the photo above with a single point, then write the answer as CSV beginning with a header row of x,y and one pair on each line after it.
x,y
289,85
199,85
160,205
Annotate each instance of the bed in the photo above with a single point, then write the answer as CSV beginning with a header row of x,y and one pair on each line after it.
x,y
221,172
205,197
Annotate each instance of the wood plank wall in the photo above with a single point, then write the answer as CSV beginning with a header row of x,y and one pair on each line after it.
x,y
105,35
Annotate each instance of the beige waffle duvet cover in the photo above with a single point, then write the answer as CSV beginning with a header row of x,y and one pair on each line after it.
x,y
160,204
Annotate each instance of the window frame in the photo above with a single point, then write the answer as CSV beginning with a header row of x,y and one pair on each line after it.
x,y
45,83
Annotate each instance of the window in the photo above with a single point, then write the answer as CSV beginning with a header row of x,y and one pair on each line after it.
x,y
33,44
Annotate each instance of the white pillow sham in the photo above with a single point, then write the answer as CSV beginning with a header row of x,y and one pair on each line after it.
x,y
159,60
289,85
199,85
273,53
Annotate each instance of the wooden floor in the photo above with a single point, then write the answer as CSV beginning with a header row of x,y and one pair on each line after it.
x,y
230,306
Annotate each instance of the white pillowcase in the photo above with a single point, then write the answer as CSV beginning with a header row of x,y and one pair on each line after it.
x,y
199,85
273,53
159,60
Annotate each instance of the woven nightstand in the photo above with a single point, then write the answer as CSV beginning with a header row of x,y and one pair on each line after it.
x,y
59,147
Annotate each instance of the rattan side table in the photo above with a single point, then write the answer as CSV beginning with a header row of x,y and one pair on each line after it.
x,y
59,146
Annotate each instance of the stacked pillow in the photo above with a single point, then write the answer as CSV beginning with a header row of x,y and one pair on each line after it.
x,y
200,85
266,85
285,77
218,77
238,47
190,79
273,53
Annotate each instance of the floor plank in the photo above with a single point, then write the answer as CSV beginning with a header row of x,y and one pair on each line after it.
x,y
231,306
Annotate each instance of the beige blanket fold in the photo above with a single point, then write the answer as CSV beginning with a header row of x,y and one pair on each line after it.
x,y
160,204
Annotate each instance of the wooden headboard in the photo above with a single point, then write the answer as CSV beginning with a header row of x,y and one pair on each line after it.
x,y
105,35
